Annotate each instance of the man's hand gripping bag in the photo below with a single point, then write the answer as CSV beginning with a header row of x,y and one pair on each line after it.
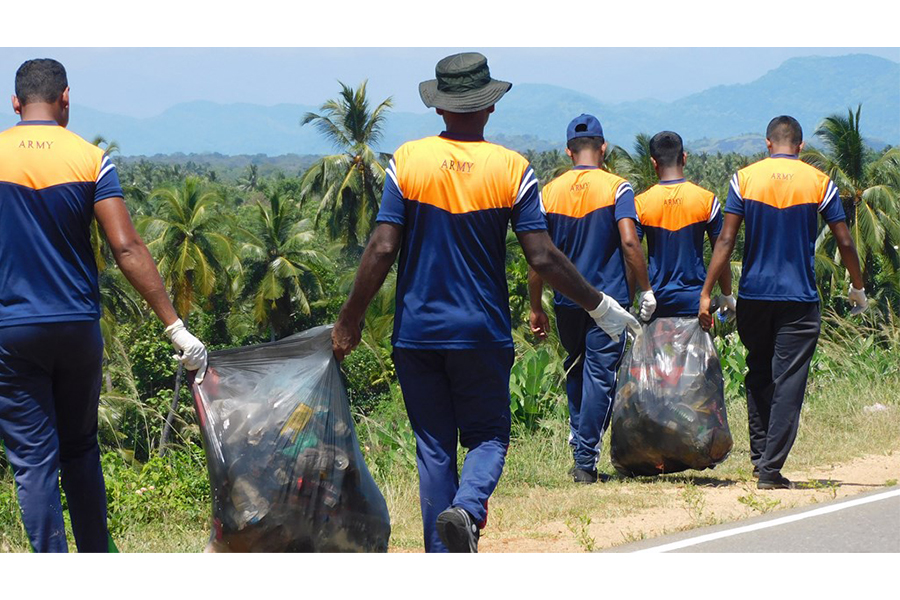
x,y
285,467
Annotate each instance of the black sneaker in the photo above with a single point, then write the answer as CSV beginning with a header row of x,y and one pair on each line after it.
x,y
778,483
584,475
755,472
457,530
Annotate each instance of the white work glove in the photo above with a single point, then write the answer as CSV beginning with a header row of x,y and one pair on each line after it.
x,y
858,301
647,303
192,352
613,319
728,307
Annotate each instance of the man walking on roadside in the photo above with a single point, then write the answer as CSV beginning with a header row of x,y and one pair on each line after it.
x,y
52,185
446,206
778,316
591,219
675,215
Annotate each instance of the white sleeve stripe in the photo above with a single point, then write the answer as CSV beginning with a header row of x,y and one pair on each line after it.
x,y
541,203
104,161
715,210
105,170
623,187
736,186
390,171
526,178
522,191
830,194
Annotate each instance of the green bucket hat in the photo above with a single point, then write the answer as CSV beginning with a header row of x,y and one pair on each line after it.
x,y
463,84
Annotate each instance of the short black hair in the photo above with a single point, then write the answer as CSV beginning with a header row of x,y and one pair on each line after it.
x,y
784,129
667,149
40,80
578,144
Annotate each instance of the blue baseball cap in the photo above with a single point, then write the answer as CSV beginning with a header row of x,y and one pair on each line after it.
x,y
584,126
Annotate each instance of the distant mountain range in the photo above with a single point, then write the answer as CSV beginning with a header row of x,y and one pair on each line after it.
x,y
534,116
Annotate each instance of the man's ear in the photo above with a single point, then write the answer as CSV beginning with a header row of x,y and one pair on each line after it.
x,y
17,106
800,147
568,153
654,163
490,109
439,111
769,145
603,149
683,158
65,98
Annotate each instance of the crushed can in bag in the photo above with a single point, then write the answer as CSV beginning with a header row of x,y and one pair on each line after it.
x,y
669,411
284,463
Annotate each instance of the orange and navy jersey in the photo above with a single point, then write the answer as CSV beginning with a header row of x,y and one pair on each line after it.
x,y
675,215
583,207
455,198
779,198
49,181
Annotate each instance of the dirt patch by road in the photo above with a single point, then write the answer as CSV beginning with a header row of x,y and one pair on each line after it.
x,y
689,506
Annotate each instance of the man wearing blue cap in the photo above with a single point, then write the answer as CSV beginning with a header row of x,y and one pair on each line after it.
x,y
591,218
447,204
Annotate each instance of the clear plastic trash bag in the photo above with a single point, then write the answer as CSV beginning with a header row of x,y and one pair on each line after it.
x,y
669,410
285,468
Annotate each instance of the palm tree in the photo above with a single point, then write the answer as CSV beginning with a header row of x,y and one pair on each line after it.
x,y
250,181
278,265
110,148
636,168
348,185
191,249
870,190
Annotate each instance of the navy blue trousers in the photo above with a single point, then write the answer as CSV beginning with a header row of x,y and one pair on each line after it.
x,y
50,378
455,395
780,338
592,364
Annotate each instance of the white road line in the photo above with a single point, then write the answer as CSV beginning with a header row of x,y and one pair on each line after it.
x,y
773,523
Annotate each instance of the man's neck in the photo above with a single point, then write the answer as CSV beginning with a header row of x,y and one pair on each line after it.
x,y
788,150
466,130
39,111
671,173
587,159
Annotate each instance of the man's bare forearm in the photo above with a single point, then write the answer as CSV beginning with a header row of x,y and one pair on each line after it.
x,y
558,271
133,257
376,263
535,290
721,257
140,270
633,253
849,255
725,282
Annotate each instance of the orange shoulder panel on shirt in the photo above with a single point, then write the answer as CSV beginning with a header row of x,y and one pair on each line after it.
x,y
41,156
782,183
674,206
579,192
459,177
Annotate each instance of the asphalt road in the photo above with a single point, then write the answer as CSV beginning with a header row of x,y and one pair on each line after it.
x,y
864,523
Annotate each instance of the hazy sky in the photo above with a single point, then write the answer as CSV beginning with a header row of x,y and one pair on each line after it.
x,y
143,82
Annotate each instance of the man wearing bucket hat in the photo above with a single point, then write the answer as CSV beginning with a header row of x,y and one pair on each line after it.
x,y
591,219
446,206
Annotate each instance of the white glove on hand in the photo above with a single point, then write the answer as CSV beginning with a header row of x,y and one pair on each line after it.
x,y
613,319
647,303
858,301
728,307
192,351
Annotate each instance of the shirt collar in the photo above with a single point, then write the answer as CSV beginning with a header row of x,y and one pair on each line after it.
x,y
793,156
38,123
459,137
584,167
671,181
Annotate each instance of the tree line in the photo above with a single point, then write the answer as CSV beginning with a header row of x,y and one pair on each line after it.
x,y
262,257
